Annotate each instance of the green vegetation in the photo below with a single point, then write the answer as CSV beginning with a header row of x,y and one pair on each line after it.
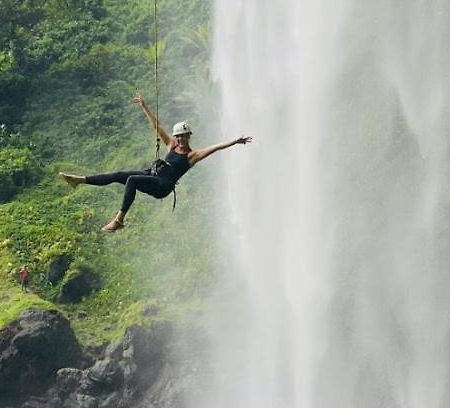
x,y
17,169
14,302
68,74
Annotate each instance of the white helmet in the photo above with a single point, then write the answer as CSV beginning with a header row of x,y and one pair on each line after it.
x,y
181,128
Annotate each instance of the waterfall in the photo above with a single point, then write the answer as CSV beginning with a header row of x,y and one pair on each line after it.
x,y
334,289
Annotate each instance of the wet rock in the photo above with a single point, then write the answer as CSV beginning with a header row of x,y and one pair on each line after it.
x,y
135,371
146,344
32,349
86,401
35,402
113,400
114,350
68,381
105,375
185,370
150,311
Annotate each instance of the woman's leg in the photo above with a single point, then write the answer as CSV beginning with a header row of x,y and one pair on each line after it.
x,y
100,179
117,177
146,184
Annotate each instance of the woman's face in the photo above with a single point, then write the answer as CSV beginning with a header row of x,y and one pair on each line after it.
x,y
183,140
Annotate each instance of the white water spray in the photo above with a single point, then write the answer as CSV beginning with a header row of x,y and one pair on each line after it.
x,y
337,227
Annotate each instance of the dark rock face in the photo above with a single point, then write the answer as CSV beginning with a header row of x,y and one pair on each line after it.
x,y
58,268
120,376
32,349
150,367
79,285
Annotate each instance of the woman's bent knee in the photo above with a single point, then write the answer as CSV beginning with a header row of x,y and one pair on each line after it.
x,y
132,180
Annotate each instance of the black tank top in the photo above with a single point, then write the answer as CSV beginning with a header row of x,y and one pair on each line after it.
x,y
179,165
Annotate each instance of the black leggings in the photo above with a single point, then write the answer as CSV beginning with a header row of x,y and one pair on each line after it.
x,y
133,180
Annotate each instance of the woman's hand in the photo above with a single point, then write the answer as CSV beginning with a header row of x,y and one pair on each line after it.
x,y
139,100
243,140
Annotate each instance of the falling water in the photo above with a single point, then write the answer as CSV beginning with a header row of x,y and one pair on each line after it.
x,y
335,288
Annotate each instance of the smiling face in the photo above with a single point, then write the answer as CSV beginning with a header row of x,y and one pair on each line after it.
x,y
183,139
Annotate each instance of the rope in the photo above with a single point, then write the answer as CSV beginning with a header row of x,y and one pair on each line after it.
x,y
155,25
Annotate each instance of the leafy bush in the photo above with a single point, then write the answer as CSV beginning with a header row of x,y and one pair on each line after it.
x,y
18,168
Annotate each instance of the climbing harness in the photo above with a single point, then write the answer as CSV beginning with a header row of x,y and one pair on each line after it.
x,y
158,166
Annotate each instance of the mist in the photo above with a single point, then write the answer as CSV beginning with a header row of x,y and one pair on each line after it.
x,y
333,291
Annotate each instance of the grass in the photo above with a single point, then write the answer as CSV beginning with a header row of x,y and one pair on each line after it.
x,y
161,260
14,302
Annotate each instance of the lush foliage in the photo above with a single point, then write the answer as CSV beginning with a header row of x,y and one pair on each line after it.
x,y
68,74
17,170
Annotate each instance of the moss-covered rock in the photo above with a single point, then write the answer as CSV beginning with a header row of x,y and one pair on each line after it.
x,y
14,303
79,283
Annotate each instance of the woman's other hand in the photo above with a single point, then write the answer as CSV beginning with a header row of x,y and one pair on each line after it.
x,y
243,140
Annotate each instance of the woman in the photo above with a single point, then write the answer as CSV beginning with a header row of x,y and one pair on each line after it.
x,y
159,181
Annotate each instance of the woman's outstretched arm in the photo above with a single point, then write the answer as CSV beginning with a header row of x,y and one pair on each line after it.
x,y
151,117
201,154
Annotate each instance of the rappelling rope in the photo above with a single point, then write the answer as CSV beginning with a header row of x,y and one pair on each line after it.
x,y
158,139
155,26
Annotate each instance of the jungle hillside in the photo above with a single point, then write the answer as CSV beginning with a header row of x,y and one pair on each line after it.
x,y
68,73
